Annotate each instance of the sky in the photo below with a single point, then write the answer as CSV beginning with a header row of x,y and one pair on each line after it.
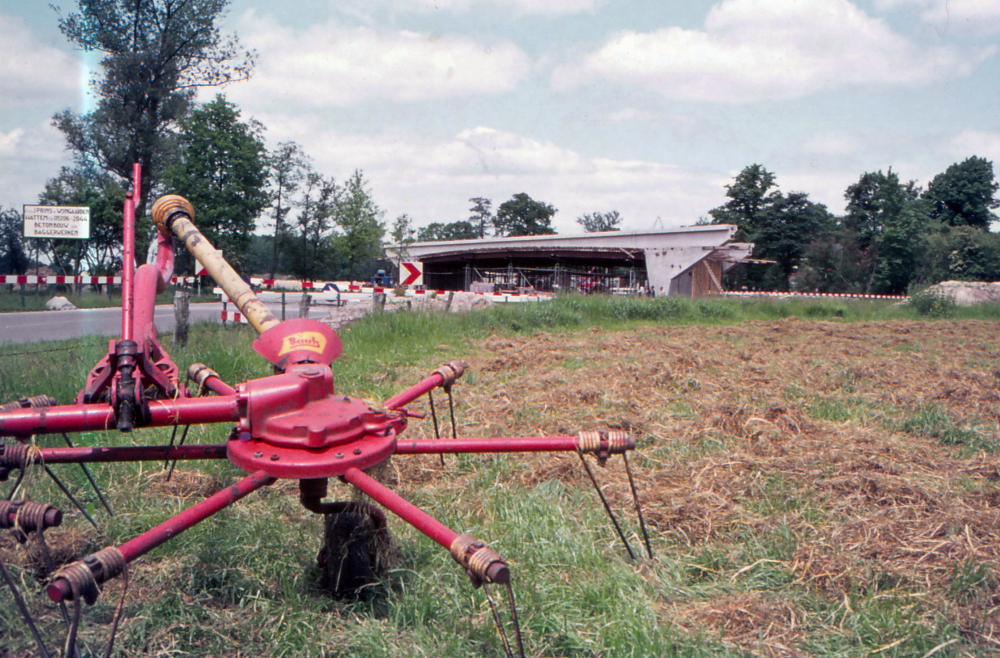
x,y
645,107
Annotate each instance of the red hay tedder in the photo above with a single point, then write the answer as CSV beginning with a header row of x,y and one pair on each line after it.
x,y
291,425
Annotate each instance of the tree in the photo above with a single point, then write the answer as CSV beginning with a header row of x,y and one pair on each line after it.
x,y
402,235
13,256
287,167
786,228
360,221
962,253
600,222
438,232
964,194
482,215
899,251
749,195
881,213
522,215
314,227
85,185
155,53
222,170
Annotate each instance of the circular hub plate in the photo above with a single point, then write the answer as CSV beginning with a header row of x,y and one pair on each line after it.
x,y
284,462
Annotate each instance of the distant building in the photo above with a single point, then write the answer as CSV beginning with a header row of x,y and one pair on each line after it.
x,y
685,261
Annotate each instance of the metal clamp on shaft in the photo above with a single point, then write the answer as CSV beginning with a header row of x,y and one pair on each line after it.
x,y
450,372
26,516
603,444
25,403
481,562
83,576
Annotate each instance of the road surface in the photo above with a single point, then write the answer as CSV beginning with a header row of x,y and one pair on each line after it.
x,y
37,326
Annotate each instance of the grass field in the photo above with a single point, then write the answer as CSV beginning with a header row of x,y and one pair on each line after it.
x,y
821,479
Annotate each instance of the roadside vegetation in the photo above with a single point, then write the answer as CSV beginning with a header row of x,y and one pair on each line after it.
x,y
820,478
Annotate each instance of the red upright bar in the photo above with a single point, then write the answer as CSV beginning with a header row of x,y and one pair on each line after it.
x,y
128,255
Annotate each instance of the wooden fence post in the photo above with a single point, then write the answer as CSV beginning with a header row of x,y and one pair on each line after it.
x,y
182,301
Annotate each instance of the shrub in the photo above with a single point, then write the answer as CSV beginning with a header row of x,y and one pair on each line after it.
x,y
933,304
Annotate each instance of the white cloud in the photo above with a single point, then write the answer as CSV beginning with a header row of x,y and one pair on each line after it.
x,y
833,144
973,16
332,65
753,50
975,142
432,180
540,7
28,157
34,72
8,141
632,115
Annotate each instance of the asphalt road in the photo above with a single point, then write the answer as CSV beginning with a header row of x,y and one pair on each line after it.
x,y
64,325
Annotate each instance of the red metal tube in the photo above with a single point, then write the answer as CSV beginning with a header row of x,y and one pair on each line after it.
x,y
164,257
194,411
50,420
59,589
128,266
493,444
93,417
402,508
414,392
218,386
82,455
147,284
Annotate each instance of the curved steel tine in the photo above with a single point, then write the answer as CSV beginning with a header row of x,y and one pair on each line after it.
x,y
607,507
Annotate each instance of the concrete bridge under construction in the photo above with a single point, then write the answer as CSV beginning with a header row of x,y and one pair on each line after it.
x,y
686,261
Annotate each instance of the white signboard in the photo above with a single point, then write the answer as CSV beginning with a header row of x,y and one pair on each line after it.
x,y
58,222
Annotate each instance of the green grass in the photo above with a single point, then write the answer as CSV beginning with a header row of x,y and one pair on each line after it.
x,y
932,421
245,580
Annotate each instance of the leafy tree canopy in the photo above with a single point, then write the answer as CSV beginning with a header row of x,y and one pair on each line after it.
x,y
964,194
13,255
314,227
221,169
155,53
522,215
438,232
85,185
482,215
599,222
360,221
288,166
751,192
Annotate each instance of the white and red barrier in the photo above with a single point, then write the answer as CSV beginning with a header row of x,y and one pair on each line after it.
x,y
45,280
819,295
233,316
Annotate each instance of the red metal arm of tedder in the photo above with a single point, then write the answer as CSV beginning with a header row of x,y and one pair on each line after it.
x,y
96,417
88,455
489,566
59,589
493,444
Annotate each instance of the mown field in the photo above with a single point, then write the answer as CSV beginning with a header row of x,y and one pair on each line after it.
x,y
820,479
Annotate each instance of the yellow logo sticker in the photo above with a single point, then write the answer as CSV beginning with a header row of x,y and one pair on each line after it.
x,y
312,341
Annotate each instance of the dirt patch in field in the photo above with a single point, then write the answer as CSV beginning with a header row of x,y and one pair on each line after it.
x,y
872,445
